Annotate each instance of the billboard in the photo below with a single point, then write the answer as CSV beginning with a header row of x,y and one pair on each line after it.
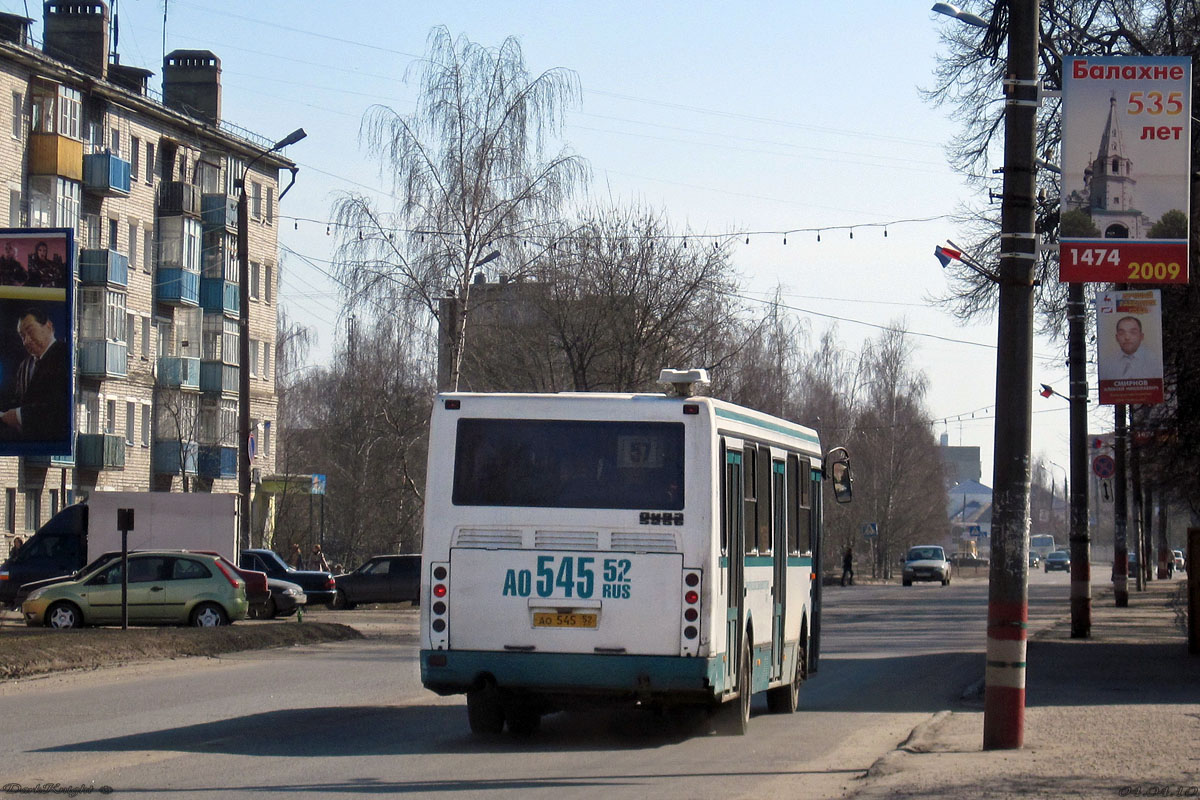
x,y
1129,347
1126,156
37,354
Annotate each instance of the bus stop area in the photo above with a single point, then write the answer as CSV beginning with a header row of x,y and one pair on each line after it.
x,y
1115,715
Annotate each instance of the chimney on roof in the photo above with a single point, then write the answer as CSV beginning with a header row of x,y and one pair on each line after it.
x,y
192,84
77,34
15,28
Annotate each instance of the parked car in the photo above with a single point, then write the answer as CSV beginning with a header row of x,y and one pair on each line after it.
x,y
318,586
284,598
171,587
1180,561
926,562
382,579
257,591
1059,559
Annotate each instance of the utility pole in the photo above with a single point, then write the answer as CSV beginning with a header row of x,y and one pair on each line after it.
x,y
1008,593
1120,575
1079,537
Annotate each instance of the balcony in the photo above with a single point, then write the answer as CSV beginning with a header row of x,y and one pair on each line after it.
x,y
216,376
179,372
106,175
100,451
173,456
51,154
218,212
103,268
178,287
176,198
101,358
219,296
217,461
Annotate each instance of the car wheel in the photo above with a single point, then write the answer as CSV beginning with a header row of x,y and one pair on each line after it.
x,y
341,602
63,615
209,615
946,582
906,582
733,718
523,717
785,699
485,712
270,610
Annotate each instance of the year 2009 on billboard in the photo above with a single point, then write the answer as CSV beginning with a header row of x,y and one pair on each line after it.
x,y
1099,261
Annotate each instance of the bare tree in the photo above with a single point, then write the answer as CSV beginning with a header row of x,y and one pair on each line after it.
x,y
469,171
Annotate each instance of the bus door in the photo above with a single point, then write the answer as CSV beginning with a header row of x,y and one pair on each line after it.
x,y
779,547
732,541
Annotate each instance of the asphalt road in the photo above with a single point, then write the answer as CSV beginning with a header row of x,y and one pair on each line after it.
x,y
350,719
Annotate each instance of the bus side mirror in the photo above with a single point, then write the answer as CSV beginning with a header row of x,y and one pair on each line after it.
x,y
837,469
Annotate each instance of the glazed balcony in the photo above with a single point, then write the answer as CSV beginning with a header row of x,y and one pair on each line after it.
x,y
179,372
52,154
103,358
103,268
106,175
100,451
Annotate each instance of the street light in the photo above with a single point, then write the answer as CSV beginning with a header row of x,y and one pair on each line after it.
x,y
243,220
960,15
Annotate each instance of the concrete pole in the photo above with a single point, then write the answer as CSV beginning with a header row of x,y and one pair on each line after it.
x,y
1120,575
1080,536
1008,598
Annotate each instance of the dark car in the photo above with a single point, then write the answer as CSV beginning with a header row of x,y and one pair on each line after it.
x,y
284,599
1059,559
318,586
383,579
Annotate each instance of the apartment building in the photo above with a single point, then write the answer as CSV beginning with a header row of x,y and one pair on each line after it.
x,y
149,181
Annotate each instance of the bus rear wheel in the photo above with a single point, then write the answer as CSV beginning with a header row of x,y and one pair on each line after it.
x,y
485,711
786,699
523,715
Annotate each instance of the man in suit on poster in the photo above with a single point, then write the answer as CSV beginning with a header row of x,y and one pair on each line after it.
x,y
42,403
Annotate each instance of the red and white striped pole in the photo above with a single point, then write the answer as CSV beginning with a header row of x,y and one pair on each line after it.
x,y
1008,599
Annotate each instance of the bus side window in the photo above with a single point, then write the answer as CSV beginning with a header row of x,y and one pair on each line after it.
x,y
804,532
750,517
793,503
763,485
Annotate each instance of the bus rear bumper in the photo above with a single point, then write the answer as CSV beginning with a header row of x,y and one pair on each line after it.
x,y
641,676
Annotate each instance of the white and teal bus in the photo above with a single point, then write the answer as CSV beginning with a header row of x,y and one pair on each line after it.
x,y
661,549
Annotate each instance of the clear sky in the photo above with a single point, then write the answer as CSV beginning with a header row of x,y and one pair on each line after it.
x,y
757,118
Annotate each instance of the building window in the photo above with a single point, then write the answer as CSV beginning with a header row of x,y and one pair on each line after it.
x,y
268,274
256,200
255,271
91,410
53,502
115,142
113,225
135,156
133,244
114,318
145,338
14,209
110,416
145,425
266,439
147,250
253,358
18,110
270,204
70,111
10,510
130,420
229,342
33,509
266,361
149,162
229,421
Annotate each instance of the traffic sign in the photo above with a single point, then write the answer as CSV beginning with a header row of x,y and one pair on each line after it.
x,y
870,530
1103,466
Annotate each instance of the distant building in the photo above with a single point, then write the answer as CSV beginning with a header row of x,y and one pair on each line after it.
x,y
148,182
961,463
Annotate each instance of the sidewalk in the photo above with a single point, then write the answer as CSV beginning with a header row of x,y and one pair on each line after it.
x,y
1116,715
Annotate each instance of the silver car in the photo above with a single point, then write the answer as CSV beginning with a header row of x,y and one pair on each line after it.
x,y
926,562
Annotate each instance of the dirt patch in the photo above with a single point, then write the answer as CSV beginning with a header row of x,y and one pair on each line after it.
x,y
36,651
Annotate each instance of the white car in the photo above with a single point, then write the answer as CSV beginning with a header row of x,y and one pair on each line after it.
x,y
1180,562
926,562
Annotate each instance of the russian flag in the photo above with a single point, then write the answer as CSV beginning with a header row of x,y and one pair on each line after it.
x,y
946,255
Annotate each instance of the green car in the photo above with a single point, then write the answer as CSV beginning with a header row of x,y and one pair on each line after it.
x,y
166,587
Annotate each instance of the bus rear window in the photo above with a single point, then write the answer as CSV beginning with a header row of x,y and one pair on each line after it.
x,y
569,464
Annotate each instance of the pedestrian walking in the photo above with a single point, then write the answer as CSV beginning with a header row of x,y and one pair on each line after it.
x,y
848,567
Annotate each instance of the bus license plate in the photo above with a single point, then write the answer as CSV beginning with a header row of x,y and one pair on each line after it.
x,y
542,619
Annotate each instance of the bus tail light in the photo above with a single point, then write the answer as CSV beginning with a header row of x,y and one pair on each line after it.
x,y
689,638
439,606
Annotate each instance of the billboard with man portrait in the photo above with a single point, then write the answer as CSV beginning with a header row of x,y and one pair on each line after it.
x,y
36,341
1129,347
